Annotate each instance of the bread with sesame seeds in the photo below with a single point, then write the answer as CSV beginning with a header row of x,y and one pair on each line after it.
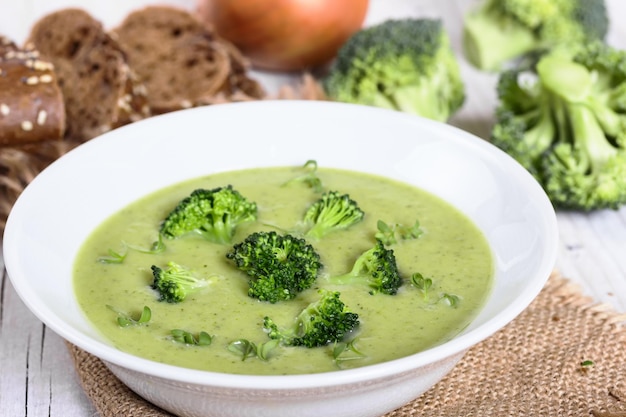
x,y
181,62
100,91
31,103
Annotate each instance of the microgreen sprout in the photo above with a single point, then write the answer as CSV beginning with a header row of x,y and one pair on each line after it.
x,y
126,320
117,257
387,233
422,283
410,232
263,349
587,364
450,299
188,338
425,286
113,257
346,351
157,247
247,349
310,178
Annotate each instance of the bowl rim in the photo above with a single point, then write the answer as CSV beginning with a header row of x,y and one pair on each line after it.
x,y
456,346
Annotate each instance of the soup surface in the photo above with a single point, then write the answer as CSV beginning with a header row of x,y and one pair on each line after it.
x,y
451,252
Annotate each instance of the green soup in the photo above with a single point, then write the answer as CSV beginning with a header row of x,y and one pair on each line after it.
x,y
451,252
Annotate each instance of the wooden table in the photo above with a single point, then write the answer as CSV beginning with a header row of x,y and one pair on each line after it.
x,y
37,377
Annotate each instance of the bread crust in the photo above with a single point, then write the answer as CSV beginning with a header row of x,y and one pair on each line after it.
x,y
31,103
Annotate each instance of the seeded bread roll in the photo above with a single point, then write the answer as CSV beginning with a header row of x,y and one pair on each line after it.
x,y
31,104
182,63
100,90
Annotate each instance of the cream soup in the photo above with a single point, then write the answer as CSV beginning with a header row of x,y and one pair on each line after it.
x,y
452,252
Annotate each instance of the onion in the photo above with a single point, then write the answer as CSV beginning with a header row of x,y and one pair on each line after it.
x,y
285,35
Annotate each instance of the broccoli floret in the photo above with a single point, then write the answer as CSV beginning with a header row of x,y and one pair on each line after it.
x,y
375,267
279,266
175,282
403,64
498,31
331,212
322,322
565,121
214,214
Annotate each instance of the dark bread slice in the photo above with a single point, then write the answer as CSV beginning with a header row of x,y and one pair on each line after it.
x,y
100,90
31,103
6,45
182,63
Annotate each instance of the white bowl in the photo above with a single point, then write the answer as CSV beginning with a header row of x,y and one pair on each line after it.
x,y
62,206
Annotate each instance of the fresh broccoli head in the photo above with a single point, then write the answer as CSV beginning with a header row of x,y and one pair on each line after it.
x,y
322,322
565,121
498,31
375,267
405,64
214,214
279,266
331,212
175,282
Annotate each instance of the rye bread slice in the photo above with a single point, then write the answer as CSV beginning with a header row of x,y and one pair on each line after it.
x,y
99,88
31,103
181,62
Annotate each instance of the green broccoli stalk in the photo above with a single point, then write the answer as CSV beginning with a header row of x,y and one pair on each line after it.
x,y
375,267
174,282
498,31
214,214
571,133
279,266
322,322
405,64
331,212
591,171
526,115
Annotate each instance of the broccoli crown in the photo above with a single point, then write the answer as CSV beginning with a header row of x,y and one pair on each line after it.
x,y
322,322
174,282
564,119
279,266
214,214
500,30
332,211
404,64
377,267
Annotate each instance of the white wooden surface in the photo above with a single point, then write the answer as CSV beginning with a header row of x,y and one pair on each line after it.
x,y
36,373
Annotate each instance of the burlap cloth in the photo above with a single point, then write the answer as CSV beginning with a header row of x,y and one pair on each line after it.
x,y
538,365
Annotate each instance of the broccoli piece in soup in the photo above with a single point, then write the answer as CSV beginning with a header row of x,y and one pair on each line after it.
x,y
279,266
333,211
375,267
174,282
322,322
214,214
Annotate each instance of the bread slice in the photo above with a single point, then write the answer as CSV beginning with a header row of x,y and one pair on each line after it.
x,y
100,90
31,104
182,63
6,45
